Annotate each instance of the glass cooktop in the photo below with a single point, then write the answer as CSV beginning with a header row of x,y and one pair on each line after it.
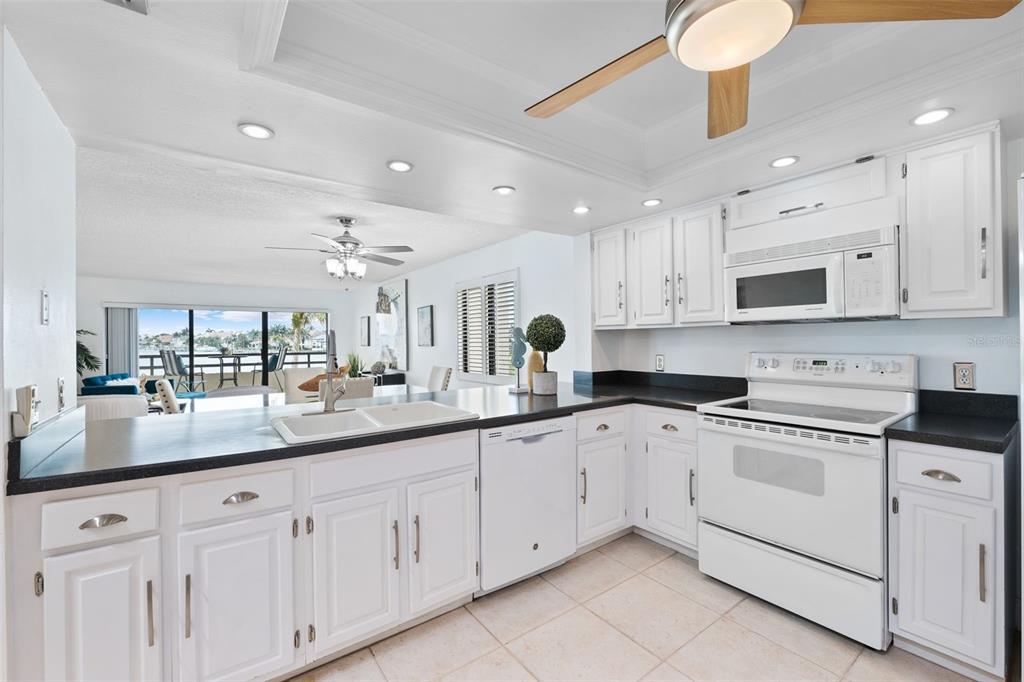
x,y
832,413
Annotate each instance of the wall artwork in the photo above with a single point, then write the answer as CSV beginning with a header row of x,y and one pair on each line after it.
x,y
364,331
392,324
425,325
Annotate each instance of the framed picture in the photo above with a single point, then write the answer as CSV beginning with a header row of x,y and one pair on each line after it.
x,y
392,323
364,331
425,325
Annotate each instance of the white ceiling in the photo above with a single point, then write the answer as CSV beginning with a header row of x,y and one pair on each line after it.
x,y
443,84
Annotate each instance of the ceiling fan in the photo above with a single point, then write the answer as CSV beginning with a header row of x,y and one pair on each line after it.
x,y
348,254
722,37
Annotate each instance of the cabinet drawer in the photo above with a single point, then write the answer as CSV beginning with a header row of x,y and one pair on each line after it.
x,y
943,472
600,424
225,498
673,424
102,517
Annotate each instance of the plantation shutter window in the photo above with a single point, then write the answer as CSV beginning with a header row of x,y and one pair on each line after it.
x,y
486,312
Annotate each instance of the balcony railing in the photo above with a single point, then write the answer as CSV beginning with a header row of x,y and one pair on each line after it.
x,y
150,363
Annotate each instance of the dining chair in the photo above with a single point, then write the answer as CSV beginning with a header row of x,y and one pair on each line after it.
x,y
168,398
439,378
176,368
275,366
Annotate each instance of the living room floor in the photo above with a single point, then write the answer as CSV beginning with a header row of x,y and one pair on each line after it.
x,y
629,610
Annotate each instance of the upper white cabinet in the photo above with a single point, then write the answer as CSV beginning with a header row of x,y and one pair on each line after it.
x,y
237,599
952,242
101,613
355,593
649,250
849,184
442,528
697,243
609,277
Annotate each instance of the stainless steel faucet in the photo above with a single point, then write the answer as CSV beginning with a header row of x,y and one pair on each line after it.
x,y
331,394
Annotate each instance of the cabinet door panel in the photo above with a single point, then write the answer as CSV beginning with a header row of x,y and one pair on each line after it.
x,y
236,586
442,534
942,572
671,490
650,266
951,241
97,618
697,255
356,566
601,506
609,278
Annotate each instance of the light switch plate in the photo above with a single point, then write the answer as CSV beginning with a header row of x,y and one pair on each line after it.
x,y
963,376
659,363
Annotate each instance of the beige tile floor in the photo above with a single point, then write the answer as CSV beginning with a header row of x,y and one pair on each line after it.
x,y
631,610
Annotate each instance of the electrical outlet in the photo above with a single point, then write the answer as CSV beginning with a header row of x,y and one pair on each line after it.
x,y
963,376
659,363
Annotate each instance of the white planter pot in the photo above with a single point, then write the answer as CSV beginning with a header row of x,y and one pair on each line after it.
x,y
545,383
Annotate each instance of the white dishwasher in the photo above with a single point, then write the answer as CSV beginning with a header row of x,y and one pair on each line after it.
x,y
527,499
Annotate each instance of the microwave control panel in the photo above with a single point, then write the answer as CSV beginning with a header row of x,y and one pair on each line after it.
x,y
868,371
872,282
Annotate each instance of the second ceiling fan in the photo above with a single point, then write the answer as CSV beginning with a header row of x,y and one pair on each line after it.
x,y
722,37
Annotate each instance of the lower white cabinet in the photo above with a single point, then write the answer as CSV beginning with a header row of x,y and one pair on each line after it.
x,y
236,619
356,567
671,489
947,551
602,499
442,530
101,613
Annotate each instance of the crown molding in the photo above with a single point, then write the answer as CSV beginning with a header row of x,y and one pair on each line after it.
x,y
993,58
262,21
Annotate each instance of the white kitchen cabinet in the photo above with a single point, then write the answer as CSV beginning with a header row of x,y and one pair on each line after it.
x,y
947,551
355,591
102,613
236,619
649,269
442,530
697,251
608,273
842,186
951,245
671,508
602,499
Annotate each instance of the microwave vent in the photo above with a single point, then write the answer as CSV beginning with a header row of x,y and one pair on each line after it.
x,y
854,240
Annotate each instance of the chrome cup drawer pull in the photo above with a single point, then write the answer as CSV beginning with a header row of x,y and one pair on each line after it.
x,y
670,427
102,521
940,475
603,427
240,497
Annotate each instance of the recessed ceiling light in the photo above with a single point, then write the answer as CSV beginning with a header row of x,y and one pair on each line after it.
x,y
503,190
933,116
651,203
784,161
400,166
255,131
581,210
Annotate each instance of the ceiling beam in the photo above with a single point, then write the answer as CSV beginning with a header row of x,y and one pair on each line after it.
x,y
261,29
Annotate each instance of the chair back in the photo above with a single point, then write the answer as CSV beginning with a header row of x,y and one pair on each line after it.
x,y
167,361
275,362
168,400
439,378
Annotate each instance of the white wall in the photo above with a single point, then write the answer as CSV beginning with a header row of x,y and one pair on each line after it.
x,y
546,285
38,236
992,343
94,293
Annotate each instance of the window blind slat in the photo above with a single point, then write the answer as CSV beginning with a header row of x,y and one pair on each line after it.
x,y
485,316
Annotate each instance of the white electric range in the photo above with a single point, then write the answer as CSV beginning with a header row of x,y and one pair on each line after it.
x,y
791,483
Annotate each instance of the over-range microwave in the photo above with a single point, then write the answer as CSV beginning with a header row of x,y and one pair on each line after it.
x,y
840,277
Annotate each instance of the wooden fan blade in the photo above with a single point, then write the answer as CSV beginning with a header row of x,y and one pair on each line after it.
x,y
855,11
380,259
385,249
606,75
727,100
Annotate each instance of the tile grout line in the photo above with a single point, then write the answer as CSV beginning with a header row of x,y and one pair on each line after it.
x,y
501,645
783,646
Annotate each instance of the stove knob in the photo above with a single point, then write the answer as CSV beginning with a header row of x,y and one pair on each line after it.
x,y
775,363
762,363
875,366
895,368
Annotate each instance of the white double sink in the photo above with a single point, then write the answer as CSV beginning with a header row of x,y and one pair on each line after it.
x,y
360,421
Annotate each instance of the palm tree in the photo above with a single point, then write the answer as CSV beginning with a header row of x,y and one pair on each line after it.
x,y
301,323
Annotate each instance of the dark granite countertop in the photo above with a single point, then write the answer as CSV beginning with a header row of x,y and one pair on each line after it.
x,y
985,434
76,454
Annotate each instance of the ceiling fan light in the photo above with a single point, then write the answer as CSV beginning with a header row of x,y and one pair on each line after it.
x,y
715,35
333,267
355,268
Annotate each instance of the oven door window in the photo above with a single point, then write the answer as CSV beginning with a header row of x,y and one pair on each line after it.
x,y
780,469
777,290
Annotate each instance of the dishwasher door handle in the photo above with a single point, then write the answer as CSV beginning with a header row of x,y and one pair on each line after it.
x,y
533,438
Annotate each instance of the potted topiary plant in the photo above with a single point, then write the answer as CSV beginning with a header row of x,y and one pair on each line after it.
x,y
545,333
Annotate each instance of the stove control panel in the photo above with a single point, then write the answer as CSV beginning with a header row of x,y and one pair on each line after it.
x,y
897,372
